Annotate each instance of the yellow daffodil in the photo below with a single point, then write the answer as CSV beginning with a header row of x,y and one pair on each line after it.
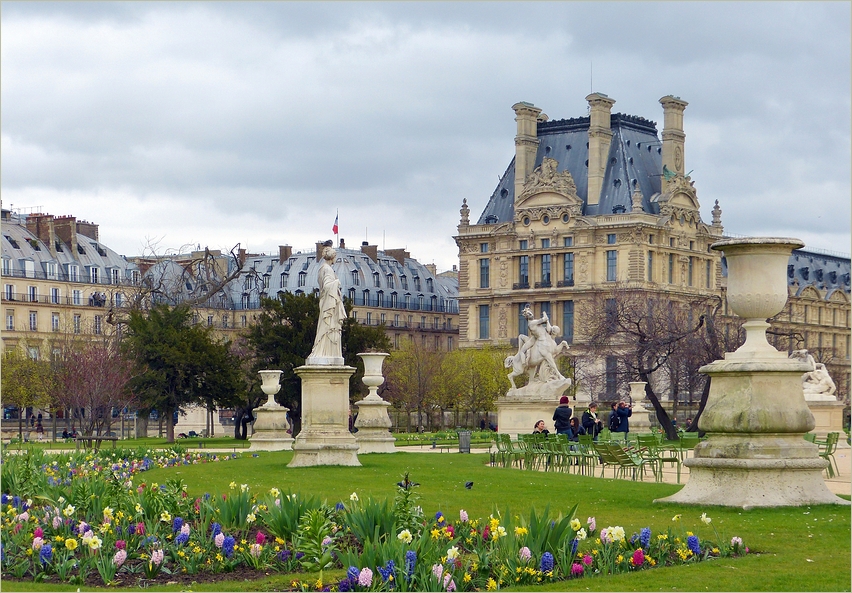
x,y
676,517
575,524
705,519
71,544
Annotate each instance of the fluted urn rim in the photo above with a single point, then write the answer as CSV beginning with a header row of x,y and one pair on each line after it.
x,y
790,242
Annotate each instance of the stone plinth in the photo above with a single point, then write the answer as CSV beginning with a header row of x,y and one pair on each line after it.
x,y
520,409
270,429
828,416
325,438
640,421
373,424
755,455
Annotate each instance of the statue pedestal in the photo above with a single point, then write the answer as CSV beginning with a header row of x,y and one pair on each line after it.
x,y
520,409
828,416
373,424
325,438
755,455
270,429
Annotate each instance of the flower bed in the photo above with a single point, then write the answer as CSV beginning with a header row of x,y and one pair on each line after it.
x,y
107,530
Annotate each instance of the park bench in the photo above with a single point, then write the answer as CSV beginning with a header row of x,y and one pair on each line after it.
x,y
89,441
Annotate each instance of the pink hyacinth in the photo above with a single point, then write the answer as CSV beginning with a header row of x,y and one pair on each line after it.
x,y
260,538
451,531
577,570
591,523
89,534
219,539
119,558
185,529
255,550
638,557
365,577
121,545
449,583
17,528
587,560
140,528
525,554
438,570
463,516
326,540
39,532
37,543
23,517
157,557
57,522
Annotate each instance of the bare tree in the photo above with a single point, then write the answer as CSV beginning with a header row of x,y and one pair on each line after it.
x,y
412,376
651,338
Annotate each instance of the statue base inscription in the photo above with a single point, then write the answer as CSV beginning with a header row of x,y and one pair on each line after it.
x,y
325,438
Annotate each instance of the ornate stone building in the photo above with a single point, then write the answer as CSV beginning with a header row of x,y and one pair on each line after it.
x,y
591,202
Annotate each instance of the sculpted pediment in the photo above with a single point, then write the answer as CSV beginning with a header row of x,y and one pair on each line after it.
x,y
545,180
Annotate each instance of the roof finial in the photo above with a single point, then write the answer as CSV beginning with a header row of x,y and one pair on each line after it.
x,y
465,213
717,215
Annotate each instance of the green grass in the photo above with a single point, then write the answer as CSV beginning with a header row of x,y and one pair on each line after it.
x,y
784,540
223,442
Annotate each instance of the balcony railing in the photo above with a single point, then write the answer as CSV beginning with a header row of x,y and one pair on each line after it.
x,y
565,283
544,284
520,285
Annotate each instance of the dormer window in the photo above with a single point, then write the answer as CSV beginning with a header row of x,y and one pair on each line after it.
x,y
417,283
356,278
284,277
404,281
390,281
429,286
376,281
302,278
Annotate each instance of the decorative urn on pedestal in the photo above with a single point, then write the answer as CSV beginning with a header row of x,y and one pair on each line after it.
x,y
756,413
271,424
373,422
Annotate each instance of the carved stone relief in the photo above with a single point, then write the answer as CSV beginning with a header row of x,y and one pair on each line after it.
x,y
504,274
502,331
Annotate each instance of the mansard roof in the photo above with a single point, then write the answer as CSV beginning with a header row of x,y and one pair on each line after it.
x,y
634,160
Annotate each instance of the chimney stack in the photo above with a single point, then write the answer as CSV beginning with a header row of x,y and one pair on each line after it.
x,y
674,157
600,137
371,251
342,243
65,228
87,229
41,225
526,142
398,254
284,253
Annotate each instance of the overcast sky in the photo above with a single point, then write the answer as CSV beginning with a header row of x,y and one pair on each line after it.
x,y
218,123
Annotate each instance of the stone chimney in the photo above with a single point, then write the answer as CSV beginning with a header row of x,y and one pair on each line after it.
x,y
41,225
87,229
342,243
600,137
432,269
398,254
674,157
284,253
371,251
526,142
65,228
241,254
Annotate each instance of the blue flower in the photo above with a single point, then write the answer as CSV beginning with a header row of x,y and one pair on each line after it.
x,y
131,529
345,585
574,545
692,544
353,573
284,555
46,553
16,501
206,496
339,506
228,546
4,498
177,524
215,529
300,555
410,561
387,571
439,517
645,537
546,562
254,454
182,538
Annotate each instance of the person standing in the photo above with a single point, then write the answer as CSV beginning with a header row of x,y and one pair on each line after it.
x,y
623,411
590,421
562,417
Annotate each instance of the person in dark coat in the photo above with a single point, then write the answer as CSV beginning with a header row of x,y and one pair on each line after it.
x,y
576,429
540,428
562,416
590,421
623,411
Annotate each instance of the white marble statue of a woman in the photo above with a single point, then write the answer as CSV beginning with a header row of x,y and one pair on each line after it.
x,y
327,345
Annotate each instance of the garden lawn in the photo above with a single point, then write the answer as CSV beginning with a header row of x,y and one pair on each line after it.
x,y
792,549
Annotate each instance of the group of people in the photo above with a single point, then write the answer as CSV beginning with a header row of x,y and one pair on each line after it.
x,y
589,424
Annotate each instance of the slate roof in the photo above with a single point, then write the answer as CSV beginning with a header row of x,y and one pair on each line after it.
x,y
634,160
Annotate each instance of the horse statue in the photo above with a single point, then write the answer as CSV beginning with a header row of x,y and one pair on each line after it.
x,y
537,352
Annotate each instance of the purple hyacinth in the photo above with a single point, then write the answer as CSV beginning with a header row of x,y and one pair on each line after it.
x,y
300,555
645,537
352,573
182,538
228,546
546,564
284,555
4,498
177,524
574,545
46,554
692,544
387,570
345,585
215,529
410,562
16,501
339,506
131,529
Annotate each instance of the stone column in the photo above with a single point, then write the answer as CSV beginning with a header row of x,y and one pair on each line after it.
x,y
271,424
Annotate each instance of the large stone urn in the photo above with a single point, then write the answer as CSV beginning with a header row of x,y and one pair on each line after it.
x,y
373,422
271,425
756,413
640,421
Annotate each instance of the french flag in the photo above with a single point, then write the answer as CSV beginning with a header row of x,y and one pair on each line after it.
x,y
334,228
